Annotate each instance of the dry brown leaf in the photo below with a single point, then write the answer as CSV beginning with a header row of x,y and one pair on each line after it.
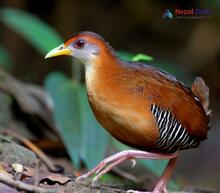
x,y
29,172
56,178
4,171
46,177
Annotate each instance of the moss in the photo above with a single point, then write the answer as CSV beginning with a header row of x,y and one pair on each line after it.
x,y
11,152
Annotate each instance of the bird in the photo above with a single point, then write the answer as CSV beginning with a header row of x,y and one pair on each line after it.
x,y
141,106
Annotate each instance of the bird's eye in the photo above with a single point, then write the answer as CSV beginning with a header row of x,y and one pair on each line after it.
x,y
79,43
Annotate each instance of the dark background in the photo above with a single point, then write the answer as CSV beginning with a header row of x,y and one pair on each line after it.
x,y
137,27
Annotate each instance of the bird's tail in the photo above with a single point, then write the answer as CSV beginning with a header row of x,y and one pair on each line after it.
x,y
201,90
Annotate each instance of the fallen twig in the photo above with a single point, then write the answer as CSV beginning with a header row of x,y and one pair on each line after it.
x,y
34,148
32,99
22,186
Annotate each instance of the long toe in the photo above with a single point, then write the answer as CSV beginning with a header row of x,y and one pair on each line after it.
x,y
160,190
155,191
135,191
81,178
95,181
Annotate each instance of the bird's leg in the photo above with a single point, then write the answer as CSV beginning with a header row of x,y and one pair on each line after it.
x,y
122,156
161,185
107,169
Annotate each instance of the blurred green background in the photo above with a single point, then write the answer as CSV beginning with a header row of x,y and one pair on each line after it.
x,y
184,47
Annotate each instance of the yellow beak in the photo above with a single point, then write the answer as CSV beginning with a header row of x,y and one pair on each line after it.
x,y
58,51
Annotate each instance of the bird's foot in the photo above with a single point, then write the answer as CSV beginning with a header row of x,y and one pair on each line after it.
x,y
107,164
135,191
82,177
156,190
103,167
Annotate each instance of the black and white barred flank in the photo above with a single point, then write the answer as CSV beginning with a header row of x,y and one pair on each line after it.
x,y
173,135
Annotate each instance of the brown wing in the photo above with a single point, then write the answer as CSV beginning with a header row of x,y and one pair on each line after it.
x,y
170,94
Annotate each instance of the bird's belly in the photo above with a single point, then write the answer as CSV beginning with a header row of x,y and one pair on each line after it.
x,y
126,123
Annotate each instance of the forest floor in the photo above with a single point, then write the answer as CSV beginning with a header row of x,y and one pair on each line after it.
x,y
22,171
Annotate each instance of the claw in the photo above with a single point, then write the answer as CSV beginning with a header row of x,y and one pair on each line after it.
x,y
156,190
134,191
131,191
80,178
133,162
94,182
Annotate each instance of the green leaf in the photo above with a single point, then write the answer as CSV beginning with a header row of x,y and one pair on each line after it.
x,y
64,94
134,57
82,135
143,57
5,59
39,34
94,138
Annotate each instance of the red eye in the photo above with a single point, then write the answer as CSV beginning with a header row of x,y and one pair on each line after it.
x,y
79,43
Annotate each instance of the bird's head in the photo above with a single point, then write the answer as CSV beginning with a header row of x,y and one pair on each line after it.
x,y
85,46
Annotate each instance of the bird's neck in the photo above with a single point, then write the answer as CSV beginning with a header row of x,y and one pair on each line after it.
x,y
101,67
100,73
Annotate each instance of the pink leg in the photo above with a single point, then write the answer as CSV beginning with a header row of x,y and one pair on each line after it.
x,y
107,169
161,185
116,159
